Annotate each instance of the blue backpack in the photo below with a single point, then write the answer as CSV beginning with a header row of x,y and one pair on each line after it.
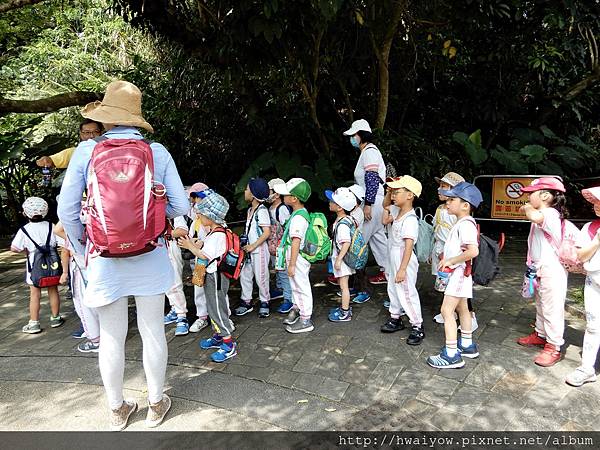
x,y
358,254
424,244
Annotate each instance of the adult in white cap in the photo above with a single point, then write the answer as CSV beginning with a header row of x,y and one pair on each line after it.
x,y
369,174
111,280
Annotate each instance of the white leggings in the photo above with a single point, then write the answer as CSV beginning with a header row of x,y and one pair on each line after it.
x,y
591,339
87,315
113,329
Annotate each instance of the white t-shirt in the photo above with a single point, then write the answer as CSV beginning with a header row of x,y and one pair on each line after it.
x,y
215,246
280,213
260,217
39,233
592,266
405,227
298,227
342,233
359,216
463,233
370,160
443,222
540,248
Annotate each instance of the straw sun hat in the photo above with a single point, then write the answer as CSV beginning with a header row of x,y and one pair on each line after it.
x,y
121,105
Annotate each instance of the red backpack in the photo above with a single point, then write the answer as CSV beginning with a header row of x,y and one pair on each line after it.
x,y
232,261
125,206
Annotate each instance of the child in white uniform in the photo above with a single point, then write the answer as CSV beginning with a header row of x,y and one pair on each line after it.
x,y
295,192
258,230
360,285
403,266
176,296
342,202
460,249
588,252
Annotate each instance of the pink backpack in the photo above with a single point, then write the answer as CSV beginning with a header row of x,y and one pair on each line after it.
x,y
565,249
125,206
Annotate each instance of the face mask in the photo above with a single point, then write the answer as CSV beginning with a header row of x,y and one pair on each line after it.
x,y
354,142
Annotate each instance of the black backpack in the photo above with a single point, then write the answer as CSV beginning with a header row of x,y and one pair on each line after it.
x,y
485,266
46,268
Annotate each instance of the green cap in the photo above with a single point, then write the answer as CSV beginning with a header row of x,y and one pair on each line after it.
x,y
298,187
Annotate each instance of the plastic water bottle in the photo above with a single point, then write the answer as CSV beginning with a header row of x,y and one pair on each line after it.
x,y
46,176
441,281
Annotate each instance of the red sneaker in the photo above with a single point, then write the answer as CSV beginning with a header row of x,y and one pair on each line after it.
x,y
549,356
533,340
380,278
333,280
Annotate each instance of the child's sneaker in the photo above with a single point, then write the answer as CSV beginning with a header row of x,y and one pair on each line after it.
x,y
225,352
532,340
443,361
243,309
33,327
331,279
386,304
392,325
474,324
579,377
361,297
183,327
549,356
300,326
171,317
211,342
292,317
276,294
264,310
56,322
79,333
285,307
339,315
472,351
380,278
438,318
89,347
198,325
353,292
416,336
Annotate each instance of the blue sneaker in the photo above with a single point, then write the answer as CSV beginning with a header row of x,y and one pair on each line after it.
x,y
276,294
211,342
243,309
224,353
353,292
264,310
443,361
361,297
285,307
339,315
183,327
386,304
171,317
471,352
80,333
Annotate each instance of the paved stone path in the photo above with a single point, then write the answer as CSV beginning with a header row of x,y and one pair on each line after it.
x,y
345,376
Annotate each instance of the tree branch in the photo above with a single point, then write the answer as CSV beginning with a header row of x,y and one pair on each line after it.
x,y
49,104
15,4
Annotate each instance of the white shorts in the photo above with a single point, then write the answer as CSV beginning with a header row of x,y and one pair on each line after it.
x,y
459,285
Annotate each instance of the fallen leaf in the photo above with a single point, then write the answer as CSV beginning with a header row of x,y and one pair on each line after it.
x,y
330,409
358,361
338,351
302,401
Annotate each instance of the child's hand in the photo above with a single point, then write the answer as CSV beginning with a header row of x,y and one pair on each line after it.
x,y
291,270
249,248
185,242
443,264
338,264
524,208
63,278
400,275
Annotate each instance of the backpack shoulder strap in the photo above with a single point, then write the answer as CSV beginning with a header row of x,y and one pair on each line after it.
x,y
35,243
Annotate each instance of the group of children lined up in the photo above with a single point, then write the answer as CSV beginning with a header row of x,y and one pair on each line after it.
x,y
277,214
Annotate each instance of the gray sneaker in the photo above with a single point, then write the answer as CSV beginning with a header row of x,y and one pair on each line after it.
x,y
264,310
89,347
33,327
158,411
198,325
119,417
579,377
56,321
300,326
292,317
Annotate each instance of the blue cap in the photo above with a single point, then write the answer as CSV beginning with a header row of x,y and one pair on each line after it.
x,y
259,188
465,191
329,195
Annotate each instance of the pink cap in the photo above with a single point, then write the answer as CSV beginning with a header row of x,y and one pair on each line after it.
x,y
592,195
550,183
196,187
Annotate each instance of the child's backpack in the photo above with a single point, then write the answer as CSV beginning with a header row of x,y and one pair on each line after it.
x,y
46,268
232,261
425,241
317,244
566,250
485,267
358,254
276,230
125,206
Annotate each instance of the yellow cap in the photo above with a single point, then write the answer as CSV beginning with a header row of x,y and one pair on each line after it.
x,y
407,182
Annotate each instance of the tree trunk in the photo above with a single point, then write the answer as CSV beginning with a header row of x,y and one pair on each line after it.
x,y
15,4
49,104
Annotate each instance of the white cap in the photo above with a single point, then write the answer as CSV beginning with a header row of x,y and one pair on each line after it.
x,y
342,197
35,206
359,191
275,181
358,125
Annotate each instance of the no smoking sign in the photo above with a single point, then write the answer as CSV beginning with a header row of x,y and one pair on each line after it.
x,y
513,189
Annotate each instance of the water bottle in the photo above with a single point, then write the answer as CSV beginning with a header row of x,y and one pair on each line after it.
x,y
441,281
329,265
46,176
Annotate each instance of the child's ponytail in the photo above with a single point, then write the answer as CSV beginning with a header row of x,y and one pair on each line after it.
x,y
559,202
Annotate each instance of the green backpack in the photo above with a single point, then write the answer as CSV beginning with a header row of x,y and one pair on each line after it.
x,y
317,244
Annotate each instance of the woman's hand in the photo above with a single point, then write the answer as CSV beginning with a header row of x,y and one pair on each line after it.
x,y
367,212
